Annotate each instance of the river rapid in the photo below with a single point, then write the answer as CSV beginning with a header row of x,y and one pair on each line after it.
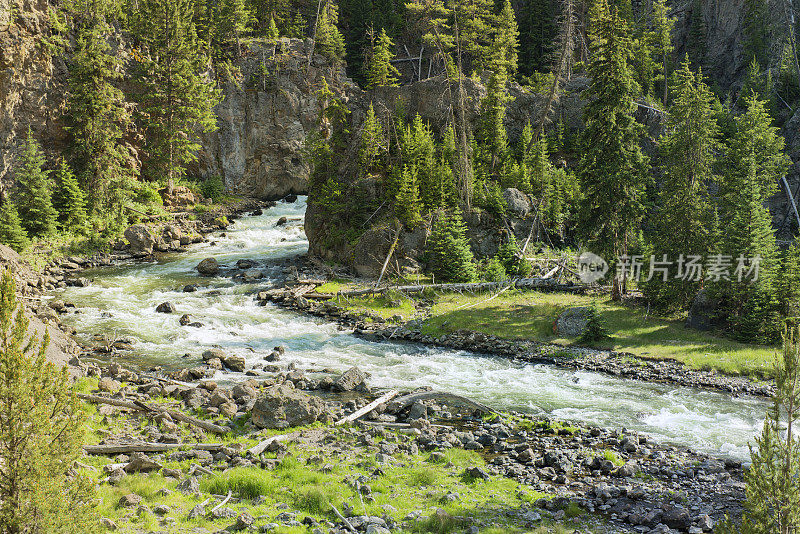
x,y
121,302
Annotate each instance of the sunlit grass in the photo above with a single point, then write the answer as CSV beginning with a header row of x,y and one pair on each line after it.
x,y
532,315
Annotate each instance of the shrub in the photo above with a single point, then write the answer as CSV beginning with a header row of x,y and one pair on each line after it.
x,y
595,329
494,271
148,194
41,433
451,257
512,260
11,231
213,187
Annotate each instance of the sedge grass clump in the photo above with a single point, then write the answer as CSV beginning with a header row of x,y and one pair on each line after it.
x,y
423,476
244,482
315,499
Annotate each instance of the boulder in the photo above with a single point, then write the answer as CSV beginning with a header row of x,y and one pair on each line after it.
x,y
350,380
141,463
283,406
166,307
703,312
208,267
251,275
213,353
572,322
140,238
234,363
517,202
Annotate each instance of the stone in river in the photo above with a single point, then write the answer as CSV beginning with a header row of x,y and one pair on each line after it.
x,y
208,267
166,307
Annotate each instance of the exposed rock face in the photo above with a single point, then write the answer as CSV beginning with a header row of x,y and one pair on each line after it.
x,y
283,406
31,81
264,120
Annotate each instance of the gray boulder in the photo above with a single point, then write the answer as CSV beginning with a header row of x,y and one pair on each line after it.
x,y
572,322
350,380
517,202
166,307
283,406
140,238
208,267
703,312
141,463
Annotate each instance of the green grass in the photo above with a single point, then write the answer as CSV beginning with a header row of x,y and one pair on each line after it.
x,y
532,314
612,457
385,306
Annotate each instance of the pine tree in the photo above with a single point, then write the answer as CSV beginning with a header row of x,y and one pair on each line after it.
x,y
751,305
407,204
689,148
32,195
474,21
789,282
41,434
494,146
595,330
11,231
380,71
272,30
69,200
661,39
756,31
98,120
612,169
329,41
504,49
451,259
233,21
773,479
177,101
697,43
755,142
538,28
373,143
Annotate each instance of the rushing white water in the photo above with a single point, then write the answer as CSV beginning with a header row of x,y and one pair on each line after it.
x,y
121,303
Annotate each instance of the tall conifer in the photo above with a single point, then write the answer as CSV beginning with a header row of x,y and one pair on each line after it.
x,y
32,195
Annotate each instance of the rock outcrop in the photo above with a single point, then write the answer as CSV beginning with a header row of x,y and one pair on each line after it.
x,y
283,406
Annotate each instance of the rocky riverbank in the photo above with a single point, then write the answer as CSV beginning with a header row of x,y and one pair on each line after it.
x,y
564,470
375,327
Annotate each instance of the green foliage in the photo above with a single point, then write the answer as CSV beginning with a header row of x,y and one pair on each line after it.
x,y
418,153
329,41
41,434
772,501
754,164
789,282
612,168
177,101
11,231
494,271
538,29
697,42
503,55
373,143
69,200
98,120
685,215
32,195
212,187
595,328
451,259
756,31
510,257
380,71
407,203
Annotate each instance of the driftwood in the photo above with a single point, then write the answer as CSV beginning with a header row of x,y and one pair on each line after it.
x,y
149,447
343,518
142,407
368,408
408,400
223,503
255,450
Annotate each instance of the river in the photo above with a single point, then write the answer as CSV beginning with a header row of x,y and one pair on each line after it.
x,y
121,302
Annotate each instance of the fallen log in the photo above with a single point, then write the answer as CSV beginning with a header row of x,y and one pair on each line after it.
x,y
368,408
408,400
520,283
125,448
257,449
142,407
